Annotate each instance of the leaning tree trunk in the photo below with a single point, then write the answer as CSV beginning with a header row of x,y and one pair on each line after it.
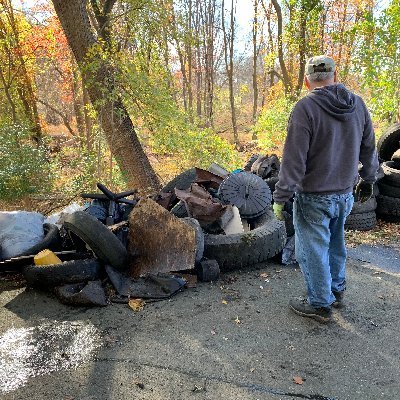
x,y
113,116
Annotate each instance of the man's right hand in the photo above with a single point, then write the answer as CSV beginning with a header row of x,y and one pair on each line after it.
x,y
278,208
363,191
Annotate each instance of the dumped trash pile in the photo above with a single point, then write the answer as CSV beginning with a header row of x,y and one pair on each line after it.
x,y
119,247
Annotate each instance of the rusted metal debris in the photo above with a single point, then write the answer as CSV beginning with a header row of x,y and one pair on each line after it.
x,y
202,206
162,242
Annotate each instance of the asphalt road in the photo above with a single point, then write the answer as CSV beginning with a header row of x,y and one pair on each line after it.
x,y
232,339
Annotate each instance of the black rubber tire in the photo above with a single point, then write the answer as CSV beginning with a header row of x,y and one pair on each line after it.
x,y
182,181
271,182
253,158
392,174
388,143
208,271
388,190
361,222
244,249
52,241
199,237
367,206
75,271
104,244
388,205
396,158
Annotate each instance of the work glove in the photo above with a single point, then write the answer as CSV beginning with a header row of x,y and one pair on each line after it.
x,y
363,191
278,208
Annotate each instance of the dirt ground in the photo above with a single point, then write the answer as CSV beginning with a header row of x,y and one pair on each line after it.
x,y
232,339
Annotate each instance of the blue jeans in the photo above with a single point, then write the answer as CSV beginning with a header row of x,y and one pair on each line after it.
x,y
319,241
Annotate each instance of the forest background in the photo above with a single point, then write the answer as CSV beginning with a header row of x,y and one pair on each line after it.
x,y
130,93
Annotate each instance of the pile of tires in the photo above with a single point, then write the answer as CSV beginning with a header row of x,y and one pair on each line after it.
x,y
388,200
389,192
362,216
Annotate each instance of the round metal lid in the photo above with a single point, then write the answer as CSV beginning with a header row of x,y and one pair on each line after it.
x,y
248,192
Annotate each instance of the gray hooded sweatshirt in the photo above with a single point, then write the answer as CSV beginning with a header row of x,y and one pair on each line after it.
x,y
329,133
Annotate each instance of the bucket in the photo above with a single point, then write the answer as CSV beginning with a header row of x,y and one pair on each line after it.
x,y
46,257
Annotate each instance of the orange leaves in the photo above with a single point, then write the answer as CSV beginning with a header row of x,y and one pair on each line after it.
x,y
298,380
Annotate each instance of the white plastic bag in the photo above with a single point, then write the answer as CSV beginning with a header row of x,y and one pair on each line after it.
x,y
19,231
58,218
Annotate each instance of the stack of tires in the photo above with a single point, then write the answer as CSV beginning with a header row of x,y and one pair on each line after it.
x,y
362,216
388,200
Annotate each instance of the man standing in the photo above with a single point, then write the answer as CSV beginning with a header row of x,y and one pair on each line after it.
x,y
329,133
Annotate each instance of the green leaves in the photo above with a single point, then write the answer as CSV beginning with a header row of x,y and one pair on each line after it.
x,y
24,168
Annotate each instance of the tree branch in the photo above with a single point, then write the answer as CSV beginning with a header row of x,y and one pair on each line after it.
x,y
64,118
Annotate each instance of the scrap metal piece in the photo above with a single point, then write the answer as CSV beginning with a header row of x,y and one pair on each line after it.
x,y
218,170
246,191
201,205
163,242
208,179
209,212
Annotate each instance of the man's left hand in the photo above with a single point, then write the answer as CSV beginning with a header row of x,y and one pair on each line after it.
x,y
363,191
278,208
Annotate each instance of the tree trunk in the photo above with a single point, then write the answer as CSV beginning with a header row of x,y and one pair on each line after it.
x,y
25,84
6,88
113,116
190,61
255,57
88,119
228,53
78,104
302,50
285,75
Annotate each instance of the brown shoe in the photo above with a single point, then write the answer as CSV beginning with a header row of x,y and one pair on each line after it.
x,y
303,308
338,303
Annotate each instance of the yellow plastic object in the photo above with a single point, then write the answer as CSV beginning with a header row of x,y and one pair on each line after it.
x,y
46,257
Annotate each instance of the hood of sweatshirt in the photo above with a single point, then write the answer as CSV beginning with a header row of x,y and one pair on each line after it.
x,y
336,100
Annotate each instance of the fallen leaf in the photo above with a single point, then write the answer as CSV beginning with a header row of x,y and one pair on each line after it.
x,y
264,275
198,389
298,380
191,280
237,320
136,304
224,302
139,384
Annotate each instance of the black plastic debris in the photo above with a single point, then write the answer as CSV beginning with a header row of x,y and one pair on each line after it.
x,y
82,294
248,192
150,286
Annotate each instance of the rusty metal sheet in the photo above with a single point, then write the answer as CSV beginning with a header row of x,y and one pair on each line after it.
x,y
208,179
201,205
163,242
